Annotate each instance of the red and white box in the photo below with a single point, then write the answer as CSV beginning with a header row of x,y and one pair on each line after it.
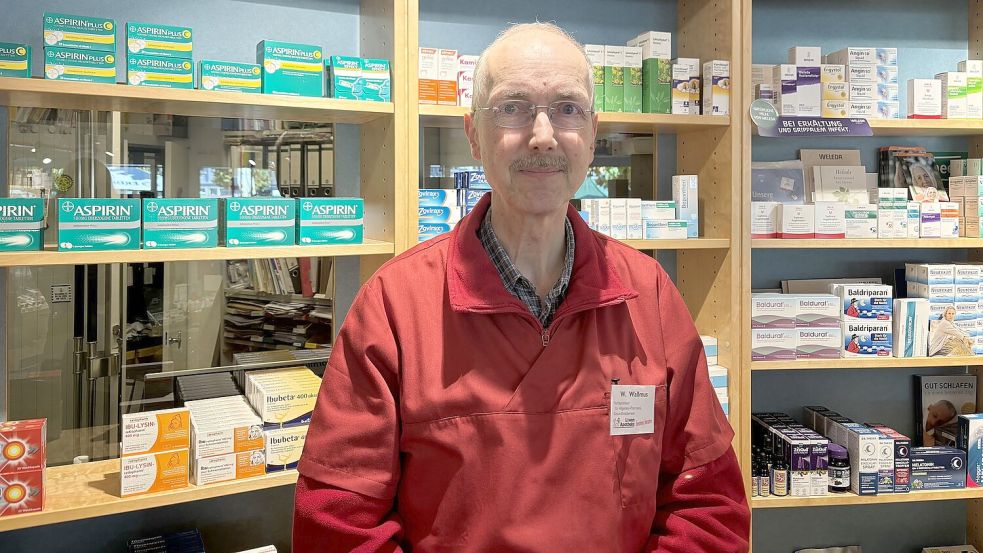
x,y
22,492
465,79
22,446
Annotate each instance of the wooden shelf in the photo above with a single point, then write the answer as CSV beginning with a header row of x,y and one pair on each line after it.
x,y
867,363
853,499
75,492
687,244
926,127
41,93
52,257
639,123
869,243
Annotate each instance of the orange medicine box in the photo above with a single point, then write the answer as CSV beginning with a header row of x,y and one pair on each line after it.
x,y
22,445
155,431
447,77
429,73
155,472
22,492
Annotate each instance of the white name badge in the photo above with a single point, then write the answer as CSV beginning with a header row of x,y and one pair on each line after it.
x,y
632,410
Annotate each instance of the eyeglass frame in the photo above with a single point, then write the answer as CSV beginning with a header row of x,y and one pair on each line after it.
x,y
550,110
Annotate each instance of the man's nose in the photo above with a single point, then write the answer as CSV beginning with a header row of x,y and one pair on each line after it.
x,y
542,131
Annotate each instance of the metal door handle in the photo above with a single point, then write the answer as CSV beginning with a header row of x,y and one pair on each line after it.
x,y
177,340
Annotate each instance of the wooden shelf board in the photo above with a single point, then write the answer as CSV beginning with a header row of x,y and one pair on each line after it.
x,y
42,93
640,123
51,257
687,244
75,492
870,243
853,499
867,363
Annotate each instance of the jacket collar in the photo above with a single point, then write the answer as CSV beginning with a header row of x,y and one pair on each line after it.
x,y
474,286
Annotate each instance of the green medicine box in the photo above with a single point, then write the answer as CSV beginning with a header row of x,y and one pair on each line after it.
x,y
330,221
291,69
260,222
67,64
79,32
228,75
180,223
21,220
656,86
15,60
345,73
159,72
164,41
375,80
98,224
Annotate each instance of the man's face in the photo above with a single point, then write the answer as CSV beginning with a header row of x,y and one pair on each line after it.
x,y
535,169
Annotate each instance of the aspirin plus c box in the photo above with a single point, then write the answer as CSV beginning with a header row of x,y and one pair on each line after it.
x,y
159,72
21,220
166,41
231,466
260,222
864,301
291,69
867,338
331,221
180,223
15,60
155,431
79,32
231,76
66,64
98,224
154,472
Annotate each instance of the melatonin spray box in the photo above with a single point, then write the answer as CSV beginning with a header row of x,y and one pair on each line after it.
x,y
229,75
291,69
159,72
376,80
21,220
180,223
165,41
685,192
15,60
260,222
98,224
79,32
345,73
67,64
330,221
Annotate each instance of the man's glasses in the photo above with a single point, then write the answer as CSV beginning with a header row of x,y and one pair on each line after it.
x,y
515,114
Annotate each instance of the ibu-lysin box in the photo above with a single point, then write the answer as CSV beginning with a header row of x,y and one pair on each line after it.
x,y
15,60
79,32
867,338
180,223
66,64
98,224
155,431
166,41
333,220
154,472
291,69
230,76
21,220
260,222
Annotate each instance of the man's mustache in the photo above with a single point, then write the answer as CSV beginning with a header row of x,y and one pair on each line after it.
x,y
539,162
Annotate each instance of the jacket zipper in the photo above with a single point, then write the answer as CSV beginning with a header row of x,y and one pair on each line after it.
x,y
563,315
546,337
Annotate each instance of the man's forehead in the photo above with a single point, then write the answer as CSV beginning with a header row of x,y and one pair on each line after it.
x,y
524,90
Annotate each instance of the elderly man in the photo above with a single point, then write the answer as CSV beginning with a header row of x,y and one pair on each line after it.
x,y
469,405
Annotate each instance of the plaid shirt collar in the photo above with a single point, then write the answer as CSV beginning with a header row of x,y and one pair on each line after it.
x,y
520,286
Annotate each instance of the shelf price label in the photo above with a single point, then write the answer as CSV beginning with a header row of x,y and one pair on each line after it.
x,y
770,124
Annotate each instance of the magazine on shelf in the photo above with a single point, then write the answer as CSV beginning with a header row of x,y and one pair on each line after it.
x,y
939,400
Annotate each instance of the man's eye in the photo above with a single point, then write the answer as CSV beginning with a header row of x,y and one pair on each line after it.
x,y
568,108
509,108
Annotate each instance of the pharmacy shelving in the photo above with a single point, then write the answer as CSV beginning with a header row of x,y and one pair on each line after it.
x,y
75,492
843,499
921,127
867,363
51,257
686,244
866,243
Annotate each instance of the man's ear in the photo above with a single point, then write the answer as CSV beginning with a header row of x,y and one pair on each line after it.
x,y
472,131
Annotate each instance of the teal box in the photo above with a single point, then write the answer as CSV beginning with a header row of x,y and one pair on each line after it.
x,y
229,75
330,221
375,80
159,72
15,60
98,224
79,32
345,74
163,41
260,222
291,69
180,223
66,64
21,222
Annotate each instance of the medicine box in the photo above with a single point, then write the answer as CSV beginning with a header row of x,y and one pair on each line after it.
x,y
332,221
914,219
937,468
290,68
709,349
954,102
680,90
283,397
154,472
716,88
180,223
924,99
817,343
887,110
685,192
773,344
658,210
429,72
931,273
260,222
155,431
636,227
656,85
830,220
910,326
773,311
654,44
805,55
867,338
21,493
619,218
98,224
614,78
21,220
970,439
466,65
15,60
633,79
974,87
695,105
283,447
166,41
376,81
66,64
230,76
447,77
79,32
808,91
764,219
670,229
23,445
785,77
861,221
864,301
817,311
930,225
344,75
718,376
231,466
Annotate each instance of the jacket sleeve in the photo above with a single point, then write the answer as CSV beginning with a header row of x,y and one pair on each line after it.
x,y
350,467
701,503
